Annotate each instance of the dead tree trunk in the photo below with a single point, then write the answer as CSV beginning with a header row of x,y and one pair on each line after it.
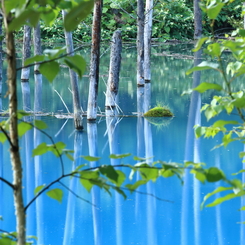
x,y
197,20
140,55
25,72
37,74
147,40
94,62
114,70
13,131
78,120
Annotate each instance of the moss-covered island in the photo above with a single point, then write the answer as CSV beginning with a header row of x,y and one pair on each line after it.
x,y
159,111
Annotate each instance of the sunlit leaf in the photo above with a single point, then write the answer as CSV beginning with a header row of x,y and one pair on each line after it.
x,y
120,191
201,88
23,127
2,137
133,187
115,156
40,149
205,65
199,43
214,10
221,123
76,63
36,58
56,194
69,156
50,70
242,208
40,124
77,14
90,158
88,178
38,189
239,102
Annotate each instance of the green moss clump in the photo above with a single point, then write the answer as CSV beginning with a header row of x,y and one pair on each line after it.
x,y
159,111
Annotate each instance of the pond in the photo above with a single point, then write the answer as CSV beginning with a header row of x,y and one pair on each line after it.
x,y
164,212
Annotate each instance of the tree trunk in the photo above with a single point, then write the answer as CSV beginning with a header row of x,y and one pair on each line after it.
x,y
114,70
140,55
13,132
78,120
197,20
25,72
37,74
147,40
94,62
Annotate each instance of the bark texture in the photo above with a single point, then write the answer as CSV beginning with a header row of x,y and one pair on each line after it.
x,y
94,62
13,133
197,20
37,74
78,120
147,40
114,70
25,72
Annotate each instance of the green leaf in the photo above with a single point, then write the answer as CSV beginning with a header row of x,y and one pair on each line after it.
x,y
50,70
88,179
40,149
90,158
133,187
116,156
221,123
2,137
199,43
23,127
242,208
40,124
205,65
149,173
199,175
76,63
77,14
214,174
225,198
38,189
69,156
21,114
166,173
120,191
56,194
109,172
28,15
214,10
32,60
217,190
206,86
139,158
121,177
239,102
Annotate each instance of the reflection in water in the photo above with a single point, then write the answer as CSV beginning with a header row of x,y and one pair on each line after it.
x,y
95,192
70,229
30,181
192,149
112,131
39,181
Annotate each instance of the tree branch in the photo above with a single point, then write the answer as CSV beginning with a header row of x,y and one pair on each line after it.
x,y
7,182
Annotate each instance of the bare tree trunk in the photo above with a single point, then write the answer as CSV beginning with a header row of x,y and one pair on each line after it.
x,y
13,132
37,74
147,40
94,62
78,119
114,70
197,20
25,72
140,55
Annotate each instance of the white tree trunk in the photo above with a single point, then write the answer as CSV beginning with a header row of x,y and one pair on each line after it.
x,y
197,20
94,62
25,72
37,74
114,70
78,120
147,40
140,56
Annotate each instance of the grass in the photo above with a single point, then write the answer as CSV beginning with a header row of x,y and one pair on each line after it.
x,y
159,111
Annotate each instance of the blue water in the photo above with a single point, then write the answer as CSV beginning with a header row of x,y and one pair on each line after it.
x,y
140,219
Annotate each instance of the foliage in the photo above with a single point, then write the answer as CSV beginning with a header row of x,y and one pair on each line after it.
x,y
228,100
159,111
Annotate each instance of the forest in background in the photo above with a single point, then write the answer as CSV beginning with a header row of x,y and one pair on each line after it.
x,y
172,19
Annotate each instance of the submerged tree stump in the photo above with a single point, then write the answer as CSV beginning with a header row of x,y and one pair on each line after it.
x,y
114,70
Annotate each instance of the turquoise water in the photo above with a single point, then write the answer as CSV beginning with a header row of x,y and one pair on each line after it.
x,y
140,219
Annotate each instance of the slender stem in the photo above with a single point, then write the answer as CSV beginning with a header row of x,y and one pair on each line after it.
x,y
7,182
